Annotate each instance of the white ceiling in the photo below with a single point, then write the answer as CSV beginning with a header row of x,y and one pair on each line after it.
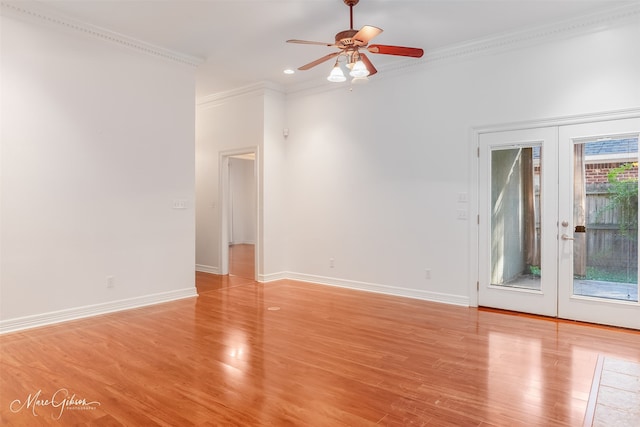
x,y
242,42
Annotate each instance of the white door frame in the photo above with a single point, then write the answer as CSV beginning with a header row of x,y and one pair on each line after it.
x,y
224,191
541,301
576,307
473,183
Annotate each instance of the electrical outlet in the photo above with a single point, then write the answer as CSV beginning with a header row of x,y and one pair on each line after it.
x,y
462,214
332,263
179,204
427,274
111,281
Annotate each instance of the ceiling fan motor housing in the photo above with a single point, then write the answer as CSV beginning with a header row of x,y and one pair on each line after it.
x,y
344,38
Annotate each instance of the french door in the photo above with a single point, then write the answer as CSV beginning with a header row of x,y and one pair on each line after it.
x,y
558,221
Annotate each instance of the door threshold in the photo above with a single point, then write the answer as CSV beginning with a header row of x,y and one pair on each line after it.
x,y
556,319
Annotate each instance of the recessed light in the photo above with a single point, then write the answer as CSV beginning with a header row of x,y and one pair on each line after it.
x,y
289,71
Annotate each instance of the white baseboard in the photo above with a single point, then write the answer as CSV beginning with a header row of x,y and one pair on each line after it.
x,y
27,322
374,287
207,269
266,278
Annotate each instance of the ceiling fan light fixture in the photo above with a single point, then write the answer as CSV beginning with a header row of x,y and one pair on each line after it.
x,y
348,44
359,69
336,75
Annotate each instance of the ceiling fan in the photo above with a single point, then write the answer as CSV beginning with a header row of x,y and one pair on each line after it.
x,y
349,42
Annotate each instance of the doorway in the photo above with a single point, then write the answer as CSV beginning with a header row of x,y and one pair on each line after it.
x,y
239,213
558,219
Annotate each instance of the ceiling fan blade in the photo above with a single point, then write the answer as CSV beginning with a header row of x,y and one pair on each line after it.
x,y
368,64
366,33
413,52
319,61
310,42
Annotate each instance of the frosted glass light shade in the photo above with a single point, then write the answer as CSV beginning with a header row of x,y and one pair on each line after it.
x,y
336,75
359,69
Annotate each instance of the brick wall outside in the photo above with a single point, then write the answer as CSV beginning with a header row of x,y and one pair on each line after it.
x,y
596,173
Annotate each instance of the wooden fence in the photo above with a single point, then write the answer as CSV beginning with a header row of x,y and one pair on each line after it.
x,y
607,246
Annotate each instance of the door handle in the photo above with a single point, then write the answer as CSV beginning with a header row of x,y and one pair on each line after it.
x,y
565,237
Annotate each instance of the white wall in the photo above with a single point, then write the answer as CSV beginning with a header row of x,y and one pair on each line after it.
x,y
97,143
250,119
272,262
242,189
227,125
370,178
373,181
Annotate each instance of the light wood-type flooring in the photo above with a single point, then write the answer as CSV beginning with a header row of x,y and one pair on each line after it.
x,y
288,353
242,261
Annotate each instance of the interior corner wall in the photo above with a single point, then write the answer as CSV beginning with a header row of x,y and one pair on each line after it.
x,y
97,145
235,123
242,195
375,175
275,202
251,119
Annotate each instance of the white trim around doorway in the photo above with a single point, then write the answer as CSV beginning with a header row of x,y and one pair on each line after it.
x,y
474,138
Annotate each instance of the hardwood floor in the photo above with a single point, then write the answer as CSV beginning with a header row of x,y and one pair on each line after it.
x,y
242,260
291,353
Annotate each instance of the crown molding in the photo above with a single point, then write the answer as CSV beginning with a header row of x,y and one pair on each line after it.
x,y
40,14
257,89
504,42
512,40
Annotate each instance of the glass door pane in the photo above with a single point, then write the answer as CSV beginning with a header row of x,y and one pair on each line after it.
x,y
517,230
558,233
598,222
605,219
515,217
